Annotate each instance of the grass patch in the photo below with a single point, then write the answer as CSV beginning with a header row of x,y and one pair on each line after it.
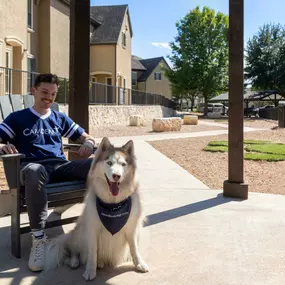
x,y
267,148
263,156
254,149
218,143
216,148
225,143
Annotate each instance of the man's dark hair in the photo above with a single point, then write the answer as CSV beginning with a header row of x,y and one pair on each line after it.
x,y
46,78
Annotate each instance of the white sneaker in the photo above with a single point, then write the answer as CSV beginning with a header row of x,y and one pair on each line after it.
x,y
36,260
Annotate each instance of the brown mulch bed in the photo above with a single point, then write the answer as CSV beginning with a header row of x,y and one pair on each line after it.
x,y
212,168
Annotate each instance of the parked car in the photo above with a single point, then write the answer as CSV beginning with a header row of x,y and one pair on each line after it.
x,y
214,107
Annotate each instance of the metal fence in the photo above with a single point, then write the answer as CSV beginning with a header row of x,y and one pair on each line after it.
x,y
14,81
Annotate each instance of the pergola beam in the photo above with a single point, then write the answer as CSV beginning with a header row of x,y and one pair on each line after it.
x,y
235,186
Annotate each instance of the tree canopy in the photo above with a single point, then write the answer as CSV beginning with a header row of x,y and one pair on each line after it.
x,y
200,54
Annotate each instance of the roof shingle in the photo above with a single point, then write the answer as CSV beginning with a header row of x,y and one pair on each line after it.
x,y
150,64
111,19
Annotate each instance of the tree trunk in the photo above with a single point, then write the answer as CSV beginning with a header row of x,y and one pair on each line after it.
x,y
192,104
206,107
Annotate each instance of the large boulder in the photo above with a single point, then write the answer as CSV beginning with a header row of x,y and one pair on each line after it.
x,y
136,120
166,124
190,120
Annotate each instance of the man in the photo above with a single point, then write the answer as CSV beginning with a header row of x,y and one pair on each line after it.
x,y
37,132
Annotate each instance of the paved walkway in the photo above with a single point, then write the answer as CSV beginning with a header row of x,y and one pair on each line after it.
x,y
194,235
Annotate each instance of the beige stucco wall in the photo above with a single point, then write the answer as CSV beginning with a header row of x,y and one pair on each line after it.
x,y
59,38
124,56
14,36
162,86
102,59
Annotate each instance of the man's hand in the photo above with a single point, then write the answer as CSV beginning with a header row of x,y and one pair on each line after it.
x,y
8,149
86,149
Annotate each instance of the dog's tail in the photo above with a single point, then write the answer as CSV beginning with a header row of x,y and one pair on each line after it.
x,y
56,251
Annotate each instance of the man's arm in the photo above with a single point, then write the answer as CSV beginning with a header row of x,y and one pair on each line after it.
x,y
86,137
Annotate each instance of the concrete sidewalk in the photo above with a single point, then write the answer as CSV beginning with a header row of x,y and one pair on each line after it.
x,y
193,236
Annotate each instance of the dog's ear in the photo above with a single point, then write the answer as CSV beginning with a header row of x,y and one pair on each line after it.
x,y
129,147
105,144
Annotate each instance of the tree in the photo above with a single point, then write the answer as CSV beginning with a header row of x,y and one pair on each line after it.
x,y
264,58
200,53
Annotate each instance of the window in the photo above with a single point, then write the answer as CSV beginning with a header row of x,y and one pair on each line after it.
x,y
134,78
157,76
29,14
124,39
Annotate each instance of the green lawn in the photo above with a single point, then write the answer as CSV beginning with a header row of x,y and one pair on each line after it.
x,y
254,149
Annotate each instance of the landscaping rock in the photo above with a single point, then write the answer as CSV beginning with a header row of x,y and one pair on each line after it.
x,y
166,124
136,120
190,120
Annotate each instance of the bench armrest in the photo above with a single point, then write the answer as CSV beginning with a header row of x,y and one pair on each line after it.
x,y
11,163
74,147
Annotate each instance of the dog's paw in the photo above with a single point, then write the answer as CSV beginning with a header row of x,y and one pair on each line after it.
x,y
74,262
142,267
89,274
100,265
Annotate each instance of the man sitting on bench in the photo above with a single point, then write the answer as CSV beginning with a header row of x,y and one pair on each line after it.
x,y
37,132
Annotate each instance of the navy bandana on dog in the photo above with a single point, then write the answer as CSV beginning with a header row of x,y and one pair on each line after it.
x,y
114,216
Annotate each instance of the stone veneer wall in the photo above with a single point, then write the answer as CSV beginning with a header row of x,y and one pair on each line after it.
x,y
119,115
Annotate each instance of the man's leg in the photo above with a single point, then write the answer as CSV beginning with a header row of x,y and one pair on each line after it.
x,y
71,170
34,176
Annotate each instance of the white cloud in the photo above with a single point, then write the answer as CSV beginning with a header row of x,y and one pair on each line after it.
x,y
161,45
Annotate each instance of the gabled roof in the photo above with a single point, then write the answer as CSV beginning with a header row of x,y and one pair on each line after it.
x,y
150,64
136,64
111,19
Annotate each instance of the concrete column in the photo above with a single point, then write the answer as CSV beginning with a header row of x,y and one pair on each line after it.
x,y
235,186
79,64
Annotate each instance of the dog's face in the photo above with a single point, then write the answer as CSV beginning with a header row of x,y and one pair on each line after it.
x,y
114,166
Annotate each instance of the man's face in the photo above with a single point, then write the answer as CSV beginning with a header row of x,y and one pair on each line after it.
x,y
45,94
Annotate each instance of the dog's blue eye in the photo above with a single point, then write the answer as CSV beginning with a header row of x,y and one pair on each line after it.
x,y
109,162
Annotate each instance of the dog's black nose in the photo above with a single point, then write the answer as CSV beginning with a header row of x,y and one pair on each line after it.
x,y
116,177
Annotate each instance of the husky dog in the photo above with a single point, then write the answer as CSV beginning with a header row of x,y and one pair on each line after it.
x,y
107,231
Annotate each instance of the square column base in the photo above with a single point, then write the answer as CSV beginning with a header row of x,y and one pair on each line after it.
x,y
235,190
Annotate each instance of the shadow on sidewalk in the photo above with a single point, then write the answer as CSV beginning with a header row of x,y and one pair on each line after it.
x,y
187,210
17,270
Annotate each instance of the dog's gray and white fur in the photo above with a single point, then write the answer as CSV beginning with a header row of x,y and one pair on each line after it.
x,y
89,242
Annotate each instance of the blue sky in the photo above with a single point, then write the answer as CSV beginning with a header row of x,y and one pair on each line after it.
x,y
153,21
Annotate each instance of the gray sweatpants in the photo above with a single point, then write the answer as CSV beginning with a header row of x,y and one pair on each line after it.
x,y
35,175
